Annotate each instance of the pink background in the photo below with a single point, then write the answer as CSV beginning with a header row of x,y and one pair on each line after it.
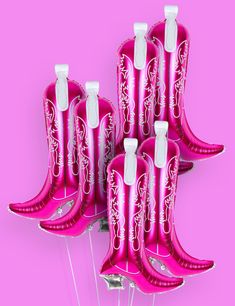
x,y
34,268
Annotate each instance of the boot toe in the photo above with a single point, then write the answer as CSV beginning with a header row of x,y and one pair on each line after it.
x,y
23,209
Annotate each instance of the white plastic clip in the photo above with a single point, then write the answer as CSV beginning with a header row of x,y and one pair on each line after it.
x,y
140,51
171,28
92,105
61,87
161,145
130,165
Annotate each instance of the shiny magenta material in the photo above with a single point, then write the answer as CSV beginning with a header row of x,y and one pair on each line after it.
x,y
169,101
126,208
161,241
185,166
62,179
136,90
95,150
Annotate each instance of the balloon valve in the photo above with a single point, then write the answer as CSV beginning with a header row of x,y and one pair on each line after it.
x,y
140,48
104,225
92,105
171,28
161,143
114,281
61,87
130,164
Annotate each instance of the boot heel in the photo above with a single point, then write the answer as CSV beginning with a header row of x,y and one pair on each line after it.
x,y
114,281
104,225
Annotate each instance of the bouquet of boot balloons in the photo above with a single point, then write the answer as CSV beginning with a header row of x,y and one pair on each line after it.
x,y
123,172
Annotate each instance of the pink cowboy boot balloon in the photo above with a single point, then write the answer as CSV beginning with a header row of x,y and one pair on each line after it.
x,y
136,74
172,41
126,258
95,127
161,241
61,184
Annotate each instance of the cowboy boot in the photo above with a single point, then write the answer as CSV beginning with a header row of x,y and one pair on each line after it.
x,y
61,183
161,241
95,127
136,74
172,41
126,258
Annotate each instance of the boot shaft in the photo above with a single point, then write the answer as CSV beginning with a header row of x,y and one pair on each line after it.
x,y
172,41
126,209
136,88
96,148
61,137
172,70
159,217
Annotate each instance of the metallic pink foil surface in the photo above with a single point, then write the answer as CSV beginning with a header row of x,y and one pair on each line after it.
x,y
169,101
136,96
136,90
126,209
96,147
62,180
161,241
185,166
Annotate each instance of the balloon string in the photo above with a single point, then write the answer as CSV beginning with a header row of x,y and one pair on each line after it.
x,y
59,212
154,297
129,294
132,296
94,270
119,297
72,271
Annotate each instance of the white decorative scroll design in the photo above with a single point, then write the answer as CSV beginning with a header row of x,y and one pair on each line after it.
x,y
176,98
160,94
150,214
55,146
167,204
86,180
149,92
126,99
106,148
72,141
137,219
116,203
